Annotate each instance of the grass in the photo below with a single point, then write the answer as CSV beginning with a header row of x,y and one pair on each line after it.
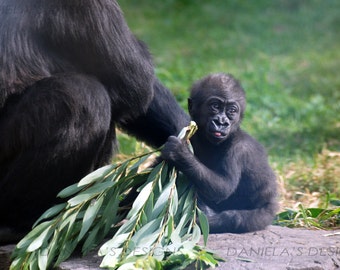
x,y
286,54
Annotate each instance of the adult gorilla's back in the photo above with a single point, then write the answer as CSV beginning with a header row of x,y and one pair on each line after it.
x,y
69,72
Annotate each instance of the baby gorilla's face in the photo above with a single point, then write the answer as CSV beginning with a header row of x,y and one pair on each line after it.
x,y
217,117
216,104
221,116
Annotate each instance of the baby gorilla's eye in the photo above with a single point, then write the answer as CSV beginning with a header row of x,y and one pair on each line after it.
x,y
215,106
232,110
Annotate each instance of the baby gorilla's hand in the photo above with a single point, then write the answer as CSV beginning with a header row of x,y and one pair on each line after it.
x,y
174,149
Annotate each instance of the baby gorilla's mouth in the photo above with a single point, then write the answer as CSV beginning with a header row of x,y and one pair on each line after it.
x,y
219,134
218,131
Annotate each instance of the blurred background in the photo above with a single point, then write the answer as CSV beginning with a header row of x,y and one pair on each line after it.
x,y
286,54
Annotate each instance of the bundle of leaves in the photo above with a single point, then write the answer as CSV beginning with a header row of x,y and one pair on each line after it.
x,y
320,218
160,230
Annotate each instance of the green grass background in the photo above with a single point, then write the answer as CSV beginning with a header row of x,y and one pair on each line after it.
x,y
286,53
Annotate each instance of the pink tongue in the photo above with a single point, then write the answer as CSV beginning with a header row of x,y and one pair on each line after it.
x,y
218,134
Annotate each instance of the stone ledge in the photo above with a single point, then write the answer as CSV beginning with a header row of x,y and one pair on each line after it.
x,y
275,248
279,248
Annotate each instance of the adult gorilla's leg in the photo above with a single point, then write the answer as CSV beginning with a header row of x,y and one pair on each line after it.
x,y
57,132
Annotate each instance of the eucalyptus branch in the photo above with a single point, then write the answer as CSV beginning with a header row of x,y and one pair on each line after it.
x,y
160,217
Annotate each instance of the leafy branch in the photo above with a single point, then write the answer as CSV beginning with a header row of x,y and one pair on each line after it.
x,y
159,231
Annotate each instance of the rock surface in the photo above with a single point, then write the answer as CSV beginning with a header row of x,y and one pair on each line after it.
x,y
273,249
278,248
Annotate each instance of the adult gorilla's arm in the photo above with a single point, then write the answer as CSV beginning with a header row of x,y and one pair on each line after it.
x,y
157,124
123,64
95,39
114,50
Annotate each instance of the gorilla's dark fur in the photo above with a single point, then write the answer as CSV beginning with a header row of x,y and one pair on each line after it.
x,y
235,185
70,72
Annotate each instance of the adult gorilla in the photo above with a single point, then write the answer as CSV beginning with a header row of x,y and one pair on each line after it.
x,y
70,72
236,187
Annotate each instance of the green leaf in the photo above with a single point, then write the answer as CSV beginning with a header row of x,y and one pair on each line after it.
x,y
142,237
128,266
204,224
177,260
53,247
116,242
33,263
145,245
170,226
42,259
314,212
162,200
149,206
177,233
89,216
111,259
81,198
69,191
32,235
98,188
140,200
66,251
174,202
164,177
90,193
330,213
68,219
128,225
16,263
110,215
148,263
96,175
335,202
209,259
51,212
196,234
38,242
153,175
91,240
189,199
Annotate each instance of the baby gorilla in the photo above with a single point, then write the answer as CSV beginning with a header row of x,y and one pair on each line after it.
x,y
235,185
